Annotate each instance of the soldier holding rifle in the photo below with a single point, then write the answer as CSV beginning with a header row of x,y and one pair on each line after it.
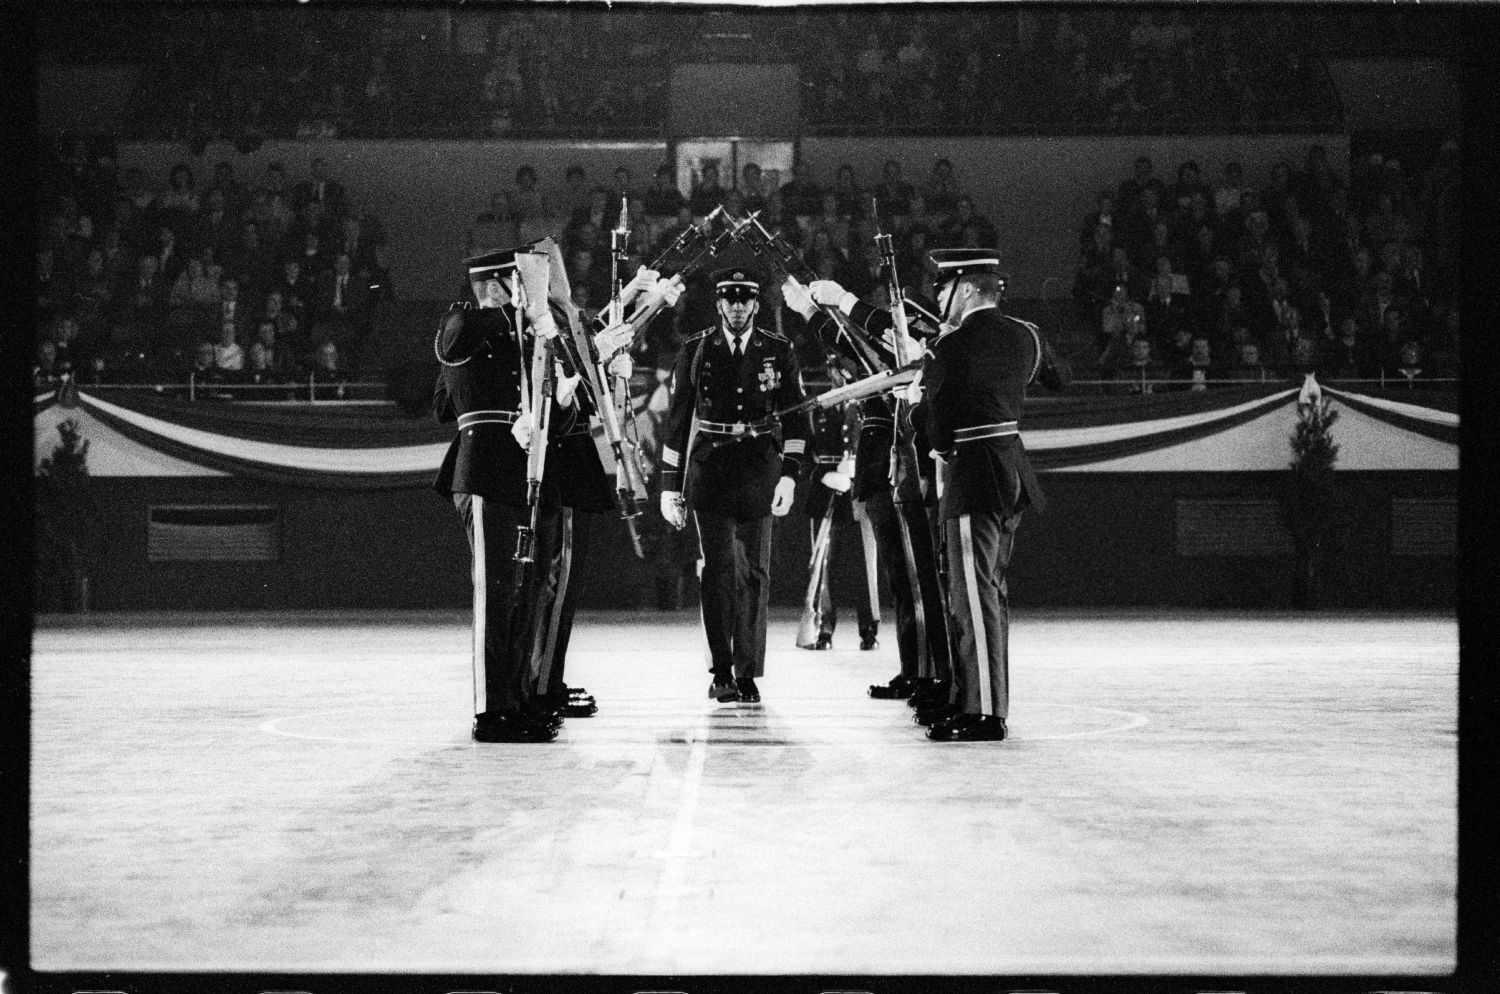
x,y
486,348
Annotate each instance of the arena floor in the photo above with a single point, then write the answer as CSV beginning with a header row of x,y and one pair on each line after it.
x,y
1182,793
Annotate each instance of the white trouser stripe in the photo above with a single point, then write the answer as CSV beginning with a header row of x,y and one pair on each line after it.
x,y
545,647
976,614
481,585
872,571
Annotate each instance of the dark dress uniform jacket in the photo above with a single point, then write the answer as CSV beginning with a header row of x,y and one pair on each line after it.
x,y
977,375
726,474
485,458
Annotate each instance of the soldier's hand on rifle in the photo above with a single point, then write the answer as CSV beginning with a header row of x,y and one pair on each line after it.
x,y
798,297
669,289
672,509
541,322
613,339
913,391
643,280
567,386
910,347
837,481
621,366
521,432
786,487
827,293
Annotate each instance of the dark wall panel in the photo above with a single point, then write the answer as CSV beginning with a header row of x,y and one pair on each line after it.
x,y
1107,539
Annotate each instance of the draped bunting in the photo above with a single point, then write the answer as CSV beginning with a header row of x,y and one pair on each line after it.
x,y
372,447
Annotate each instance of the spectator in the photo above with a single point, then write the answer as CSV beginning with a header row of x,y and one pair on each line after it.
x,y
752,189
1168,303
941,190
569,198
1199,369
1121,321
847,192
251,260
893,194
967,225
1140,372
319,189
1143,177
326,371
663,199
800,196
142,308
263,367
200,368
1249,367
295,287
171,259
707,193
340,306
194,298
1102,214
1349,356
229,356
179,202
91,296
45,372
1229,194
1410,371
232,317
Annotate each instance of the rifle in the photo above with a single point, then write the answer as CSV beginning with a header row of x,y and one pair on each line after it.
x,y
885,381
788,262
604,423
813,614
906,483
531,271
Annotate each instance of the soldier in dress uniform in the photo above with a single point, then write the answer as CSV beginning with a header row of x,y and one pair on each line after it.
x,y
740,464
849,571
898,514
975,377
485,348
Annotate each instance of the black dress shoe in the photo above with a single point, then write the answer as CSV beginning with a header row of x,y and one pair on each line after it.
x,y
930,693
867,640
748,691
898,688
572,707
511,726
825,641
969,728
936,715
542,711
723,692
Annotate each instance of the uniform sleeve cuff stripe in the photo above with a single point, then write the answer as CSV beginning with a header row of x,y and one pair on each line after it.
x,y
671,457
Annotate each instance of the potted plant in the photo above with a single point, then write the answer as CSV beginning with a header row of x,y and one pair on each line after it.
x,y
1312,506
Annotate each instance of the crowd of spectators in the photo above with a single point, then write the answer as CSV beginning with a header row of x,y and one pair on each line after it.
x,y
244,74
266,281
1200,277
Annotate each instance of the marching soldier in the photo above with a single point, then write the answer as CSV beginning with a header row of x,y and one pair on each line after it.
x,y
739,468
975,377
484,348
899,516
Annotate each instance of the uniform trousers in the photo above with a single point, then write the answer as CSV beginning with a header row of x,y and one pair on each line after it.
x,y
560,567
979,547
850,568
903,533
735,588
506,617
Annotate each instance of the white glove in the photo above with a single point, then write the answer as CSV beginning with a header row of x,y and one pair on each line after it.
x,y
798,298
912,347
521,432
782,502
826,292
939,470
613,339
670,289
672,509
542,324
836,481
643,280
846,466
912,394
622,366
567,386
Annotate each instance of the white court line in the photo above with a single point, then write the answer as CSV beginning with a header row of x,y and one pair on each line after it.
x,y
699,738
